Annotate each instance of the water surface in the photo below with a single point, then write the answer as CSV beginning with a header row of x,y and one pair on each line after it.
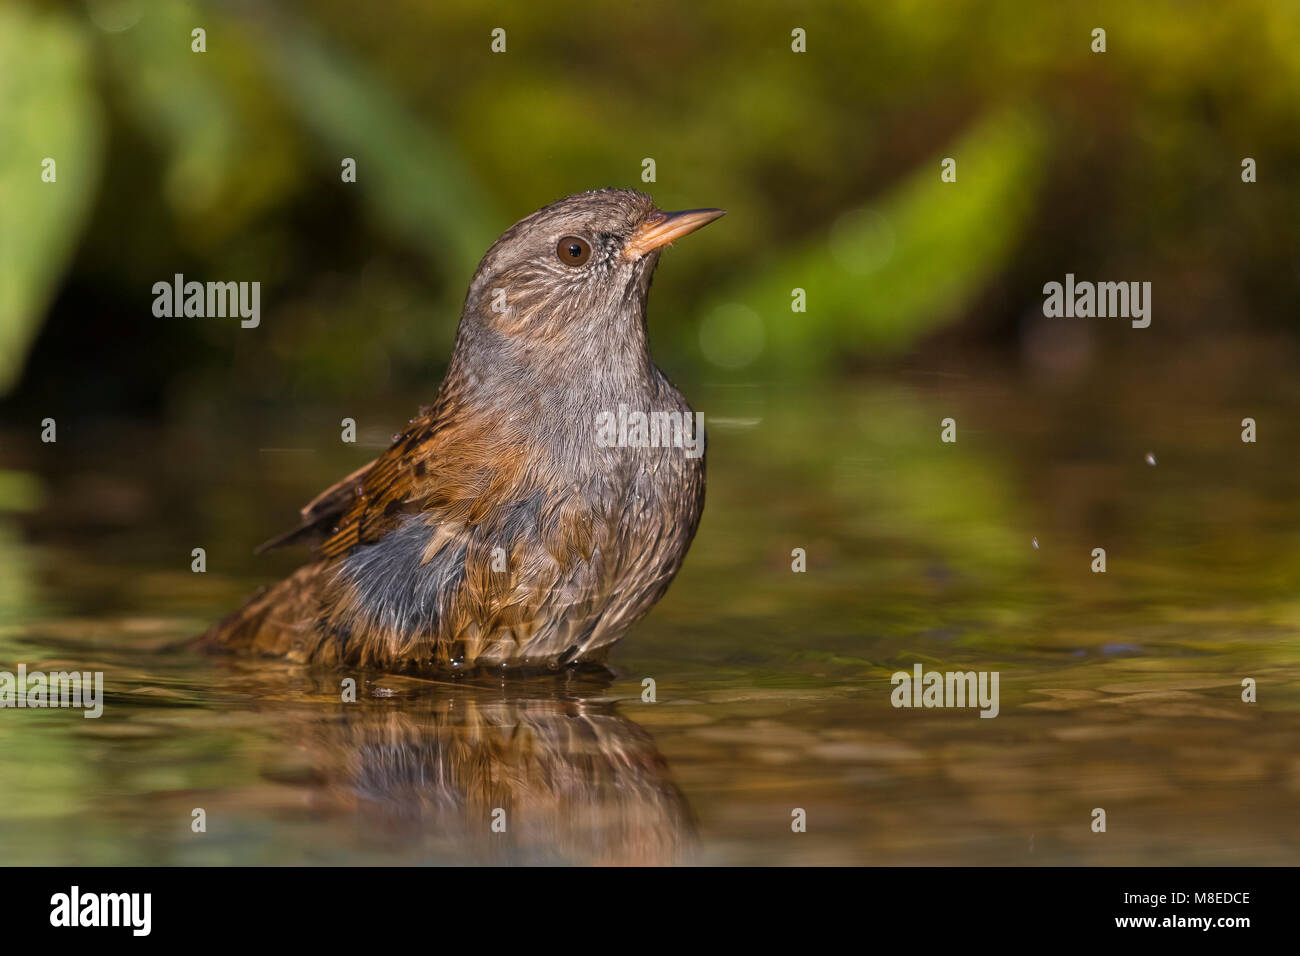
x,y
1119,690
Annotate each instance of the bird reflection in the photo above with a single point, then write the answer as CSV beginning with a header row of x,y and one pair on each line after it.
x,y
464,773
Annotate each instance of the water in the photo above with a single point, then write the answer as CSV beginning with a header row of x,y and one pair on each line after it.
x,y
1119,690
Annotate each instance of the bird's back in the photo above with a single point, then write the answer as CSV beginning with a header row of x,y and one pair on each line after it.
x,y
470,544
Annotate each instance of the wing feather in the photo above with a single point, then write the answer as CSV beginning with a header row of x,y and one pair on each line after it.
x,y
362,506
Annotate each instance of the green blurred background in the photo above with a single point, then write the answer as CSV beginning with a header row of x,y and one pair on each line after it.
x,y
225,165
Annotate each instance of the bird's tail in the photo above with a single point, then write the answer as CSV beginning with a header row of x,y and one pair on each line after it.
x,y
278,620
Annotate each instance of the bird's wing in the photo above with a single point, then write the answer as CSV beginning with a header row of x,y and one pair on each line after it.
x,y
483,494
360,507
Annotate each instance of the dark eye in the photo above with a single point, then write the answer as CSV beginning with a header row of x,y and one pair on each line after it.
x,y
573,250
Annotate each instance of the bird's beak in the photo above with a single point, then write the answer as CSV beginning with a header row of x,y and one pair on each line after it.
x,y
661,228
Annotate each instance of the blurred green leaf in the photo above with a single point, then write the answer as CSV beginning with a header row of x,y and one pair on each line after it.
x,y
410,174
886,273
209,115
19,491
48,109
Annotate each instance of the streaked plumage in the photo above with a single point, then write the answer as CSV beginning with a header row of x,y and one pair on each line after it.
x,y
507,458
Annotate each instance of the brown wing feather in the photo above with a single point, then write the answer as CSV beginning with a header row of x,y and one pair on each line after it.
x,y
321,513
349,512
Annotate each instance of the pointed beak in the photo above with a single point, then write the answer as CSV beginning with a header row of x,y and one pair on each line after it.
x,y
661,228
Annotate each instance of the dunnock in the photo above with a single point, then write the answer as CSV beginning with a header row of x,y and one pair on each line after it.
x,y
500,528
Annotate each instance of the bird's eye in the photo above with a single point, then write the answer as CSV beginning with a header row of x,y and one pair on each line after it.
x,y
573,250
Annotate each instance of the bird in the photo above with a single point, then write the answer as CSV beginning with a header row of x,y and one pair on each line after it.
x,y
503,529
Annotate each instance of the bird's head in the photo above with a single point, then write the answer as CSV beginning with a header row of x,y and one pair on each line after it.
x,y
575,271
